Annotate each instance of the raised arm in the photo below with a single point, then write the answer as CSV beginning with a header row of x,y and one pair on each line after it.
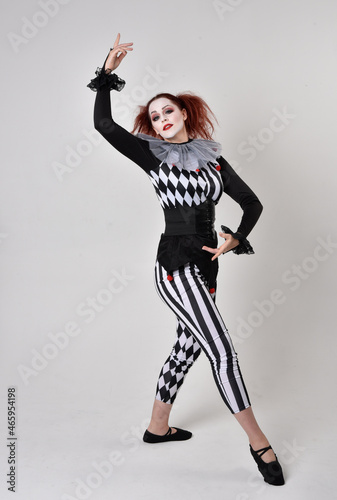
x,y
126,143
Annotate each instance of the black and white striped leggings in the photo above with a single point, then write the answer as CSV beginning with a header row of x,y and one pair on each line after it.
x,y
199,326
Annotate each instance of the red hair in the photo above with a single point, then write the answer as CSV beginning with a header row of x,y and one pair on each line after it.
x,y
199,121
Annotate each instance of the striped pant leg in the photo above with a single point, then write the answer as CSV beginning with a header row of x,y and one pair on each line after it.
x,y
189,298
185,351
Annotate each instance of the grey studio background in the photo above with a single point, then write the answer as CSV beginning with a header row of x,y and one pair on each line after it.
x,y
83,331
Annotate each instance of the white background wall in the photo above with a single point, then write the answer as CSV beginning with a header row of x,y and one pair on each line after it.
x,y
75,213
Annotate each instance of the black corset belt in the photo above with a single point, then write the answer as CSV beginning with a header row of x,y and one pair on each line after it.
x,y
191,220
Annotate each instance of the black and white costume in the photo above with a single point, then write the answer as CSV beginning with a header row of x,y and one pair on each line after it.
x,y
189,179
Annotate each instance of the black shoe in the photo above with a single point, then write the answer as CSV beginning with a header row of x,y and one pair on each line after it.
x,y
180,435
272,471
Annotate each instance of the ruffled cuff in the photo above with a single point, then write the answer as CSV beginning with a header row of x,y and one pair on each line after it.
x,y
244,245
105,81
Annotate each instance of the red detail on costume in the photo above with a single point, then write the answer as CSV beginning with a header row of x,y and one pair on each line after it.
x,y
218,167
169,277
198,170
211,290
173,165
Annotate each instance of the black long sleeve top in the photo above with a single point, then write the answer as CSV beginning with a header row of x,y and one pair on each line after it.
x,y
176,186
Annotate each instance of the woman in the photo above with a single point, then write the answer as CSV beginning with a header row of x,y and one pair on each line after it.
x,y
174,147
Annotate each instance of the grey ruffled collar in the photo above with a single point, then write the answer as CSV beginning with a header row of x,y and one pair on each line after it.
x,y
188,155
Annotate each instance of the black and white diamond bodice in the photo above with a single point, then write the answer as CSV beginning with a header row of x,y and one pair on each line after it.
x,y
175,186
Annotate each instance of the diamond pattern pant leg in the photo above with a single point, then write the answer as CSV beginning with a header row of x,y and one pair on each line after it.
x,y
185,351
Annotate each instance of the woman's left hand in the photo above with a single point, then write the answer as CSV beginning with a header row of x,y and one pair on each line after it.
x,y
229,244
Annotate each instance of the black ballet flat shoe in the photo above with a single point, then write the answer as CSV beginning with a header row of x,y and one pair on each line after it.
x,y
272,471
180,435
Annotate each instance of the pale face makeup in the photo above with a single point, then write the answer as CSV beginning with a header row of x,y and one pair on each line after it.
x,y
168,120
